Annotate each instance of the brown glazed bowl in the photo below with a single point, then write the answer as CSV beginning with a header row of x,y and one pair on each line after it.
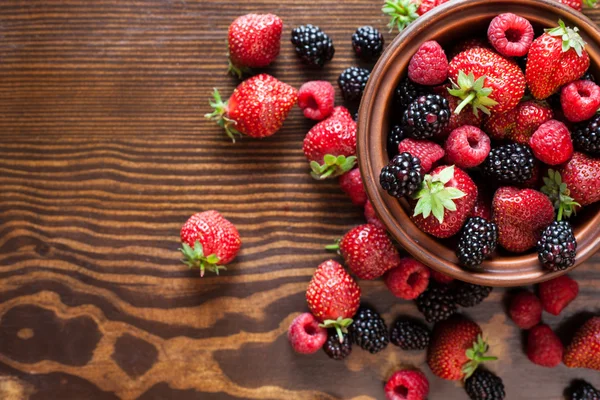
x,y
447,24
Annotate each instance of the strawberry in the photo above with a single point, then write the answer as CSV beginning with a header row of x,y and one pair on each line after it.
x,y
456,349
257,107
578,4
368,251
519,123
403,12
330,146
584,350
445,200
521,215
582,176
485,80
333,297
556,294
555,59
254,41
209,242
456,120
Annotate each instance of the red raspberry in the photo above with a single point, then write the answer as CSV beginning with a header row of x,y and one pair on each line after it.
x,y
551,143
352,184
316,99
305,334
428,152
371,216
440,277
428,5
557,293
467,147
429,65
408,280
511,35
580,100
526,310
544,347
407,385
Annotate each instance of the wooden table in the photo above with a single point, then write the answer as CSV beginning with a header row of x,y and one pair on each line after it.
x,y
104,153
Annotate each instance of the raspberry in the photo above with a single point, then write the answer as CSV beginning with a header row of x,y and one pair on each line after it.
x,y
551,143
316,99
440,277
558,293
511,35
429,65
305,334
467,147
580,100
407,385
352,184
370,215
408,280
426,151
544,347
526,310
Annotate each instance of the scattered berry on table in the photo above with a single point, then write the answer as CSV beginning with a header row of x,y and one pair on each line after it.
x,y
407,385
428,152
371,216
429,65
367,43
556,294
336,350
395,136
484,385
557,247
402,176
544,348
584,350
440,277
402,13
525,309
582,176
351,183
519,123
369,330
580,100
477,241
510,34
407,91
469,294
467,147
551,143
582,390
408,280
426,117
437,303
312,45
352,82
428,5
305,334
410,334
586,136
510,163
316,99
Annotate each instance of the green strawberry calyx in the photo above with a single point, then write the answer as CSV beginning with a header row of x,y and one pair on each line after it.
x,y
237,71
559,194
434,197
570,38
403,12
194,257
476,356
590,3
340,325
219,115
332,166
471,91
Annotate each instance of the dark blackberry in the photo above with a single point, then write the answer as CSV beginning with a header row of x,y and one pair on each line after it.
x,y
582,390
409,334
511,163
426,117
312,45
407,91
477,241
367,43
437,303
402,176
352,82
368,330
334,349
557,246
470,295
586,137
483,385
393,140
588,77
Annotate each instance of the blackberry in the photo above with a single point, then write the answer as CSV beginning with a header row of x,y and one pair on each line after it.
x,y
437,303
483,385
402,176
409,334
312,45
367,43
586,137
511,163
477,241
334,349
470,295
352,82
426,117
557,246
393,140
369,330
407,91
582,390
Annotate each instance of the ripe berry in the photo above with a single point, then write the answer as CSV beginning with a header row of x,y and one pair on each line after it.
x,y
582,390
408,280
483,385
511,163
367,43
395,136
305,334
369,330
402,176
410,334
525,310
469,294
351,183
551,143
511,35
544,347
440,277
477,241
371,216
557,247
336,350
428,152
316,99
312,45
407,91
437,303
467,147
352,82
556,294
426,117
429,65
586,137
580,100
407,385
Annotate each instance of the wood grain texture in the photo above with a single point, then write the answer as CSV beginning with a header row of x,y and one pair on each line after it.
x,y
104,154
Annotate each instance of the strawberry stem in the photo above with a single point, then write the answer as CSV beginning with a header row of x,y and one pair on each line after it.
x,y
332,167
569,36
472,91
434,197
403,12
340,325
333,247
467,100
476,356
559,194
590,3
219,115
195,258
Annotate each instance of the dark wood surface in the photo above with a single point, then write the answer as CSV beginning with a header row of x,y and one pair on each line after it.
x,y
104,153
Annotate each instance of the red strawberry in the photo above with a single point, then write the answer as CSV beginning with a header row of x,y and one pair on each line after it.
x,y
209,241
578,4
254,41
554,61
445,200
544,348
519,123
330,146
352,184
456,120
521,215
468,44
582,176
368,251
257,107
584,350
456,349
486,80
558,293
333,296
426,151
